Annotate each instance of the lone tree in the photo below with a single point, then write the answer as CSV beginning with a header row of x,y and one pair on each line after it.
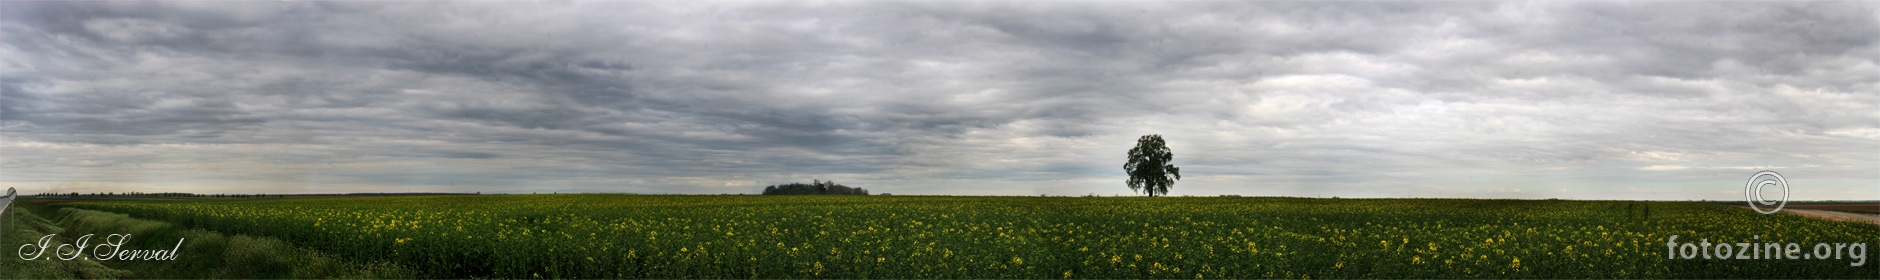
x,y
1148,166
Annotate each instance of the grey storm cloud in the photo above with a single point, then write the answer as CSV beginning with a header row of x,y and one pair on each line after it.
x,y
1645,100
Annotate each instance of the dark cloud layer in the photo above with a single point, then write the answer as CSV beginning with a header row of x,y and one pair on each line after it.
x,y
1659,100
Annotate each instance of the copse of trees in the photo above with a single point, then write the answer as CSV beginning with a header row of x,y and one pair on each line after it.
x,y
815,187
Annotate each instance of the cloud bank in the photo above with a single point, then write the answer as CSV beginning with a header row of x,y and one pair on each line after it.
x,y
1605,100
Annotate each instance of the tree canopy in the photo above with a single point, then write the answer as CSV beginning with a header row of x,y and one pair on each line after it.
x,y
816,187
1148,167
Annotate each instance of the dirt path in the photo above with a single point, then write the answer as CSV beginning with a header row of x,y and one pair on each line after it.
x,y
1830,215
1835,216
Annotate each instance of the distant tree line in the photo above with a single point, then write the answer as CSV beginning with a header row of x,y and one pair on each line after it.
x,y
153,194
815,187
180,194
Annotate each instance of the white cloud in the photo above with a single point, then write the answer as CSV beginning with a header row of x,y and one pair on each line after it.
x,y
1261,98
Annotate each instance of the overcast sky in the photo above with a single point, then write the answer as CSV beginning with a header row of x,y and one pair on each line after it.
x,y
1599,100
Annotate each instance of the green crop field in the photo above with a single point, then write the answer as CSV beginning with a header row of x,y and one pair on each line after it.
x,y
674,236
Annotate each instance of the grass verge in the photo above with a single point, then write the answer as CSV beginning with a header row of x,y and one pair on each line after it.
x,y
203,254
20,227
